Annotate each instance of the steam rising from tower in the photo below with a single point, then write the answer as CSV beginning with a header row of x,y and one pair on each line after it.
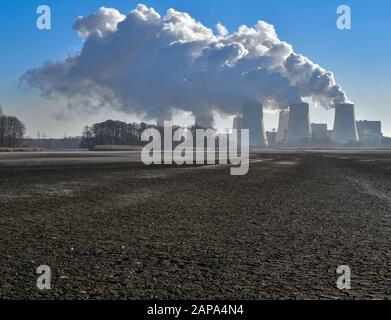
x,y
147,64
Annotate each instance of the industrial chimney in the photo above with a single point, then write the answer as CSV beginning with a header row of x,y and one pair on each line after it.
x,y
283,125
345,128
299,123
237,123
203,121
253,120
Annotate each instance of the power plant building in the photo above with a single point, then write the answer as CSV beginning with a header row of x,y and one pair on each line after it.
x,y
319,130
271,138
370,133
295,129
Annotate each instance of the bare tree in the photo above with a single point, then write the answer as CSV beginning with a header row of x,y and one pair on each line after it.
x,y
12,131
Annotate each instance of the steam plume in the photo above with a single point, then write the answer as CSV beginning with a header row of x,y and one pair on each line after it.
x,y
149,64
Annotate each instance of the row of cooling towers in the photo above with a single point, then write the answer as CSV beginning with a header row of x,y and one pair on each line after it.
x,y
294,124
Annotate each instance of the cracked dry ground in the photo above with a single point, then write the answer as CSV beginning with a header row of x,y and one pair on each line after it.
x,y
127,231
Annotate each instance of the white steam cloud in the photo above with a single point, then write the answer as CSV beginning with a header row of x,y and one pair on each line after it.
x,y
150,65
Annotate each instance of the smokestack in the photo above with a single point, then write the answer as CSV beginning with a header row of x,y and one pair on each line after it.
x,y
345,128
283,125
204,122
237,124
299,122
253,120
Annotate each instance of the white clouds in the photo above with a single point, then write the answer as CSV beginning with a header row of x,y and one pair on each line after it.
x,y
182,27
221,29
98,24
149,64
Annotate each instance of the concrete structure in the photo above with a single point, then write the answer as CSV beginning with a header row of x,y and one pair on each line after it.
x,y
345,130
271,138
370,133
253,120
203,121
299,129
319,130
237,123
160,123
386,142
283,125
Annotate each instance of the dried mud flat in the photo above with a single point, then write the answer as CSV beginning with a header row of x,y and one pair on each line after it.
x,y
110,228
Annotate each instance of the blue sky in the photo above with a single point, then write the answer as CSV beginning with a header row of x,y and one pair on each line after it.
x,y
360,57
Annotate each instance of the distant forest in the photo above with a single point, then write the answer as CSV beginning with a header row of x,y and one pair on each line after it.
x,y
112,133
115,133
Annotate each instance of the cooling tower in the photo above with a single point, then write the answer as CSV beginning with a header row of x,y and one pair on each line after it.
x,y
299,123
283,124
253,120
345,129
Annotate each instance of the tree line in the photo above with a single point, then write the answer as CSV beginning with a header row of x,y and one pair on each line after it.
x,y
112,133
12,131
117,133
